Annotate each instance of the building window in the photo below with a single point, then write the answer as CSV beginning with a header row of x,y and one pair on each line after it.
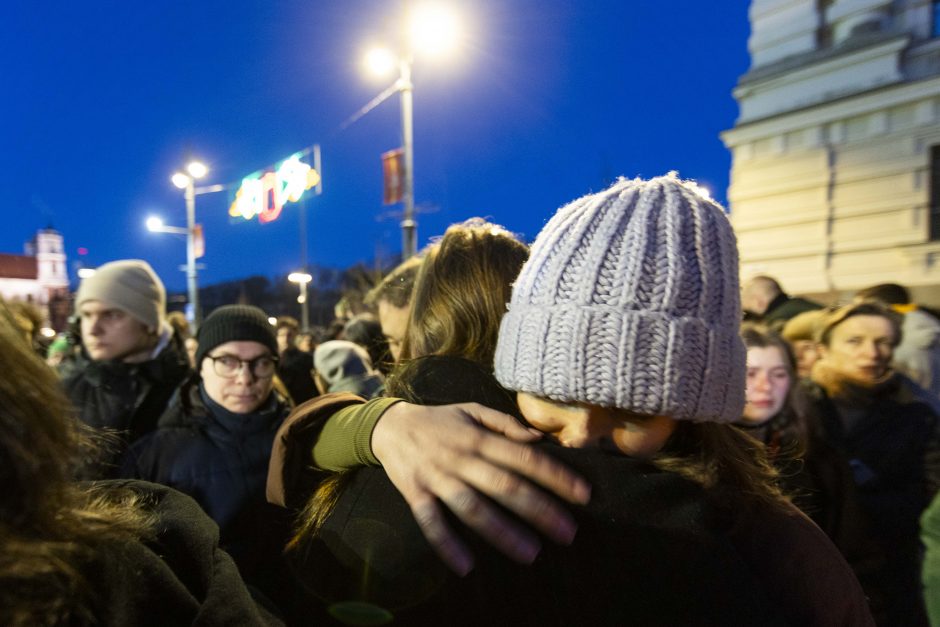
x,y
934,193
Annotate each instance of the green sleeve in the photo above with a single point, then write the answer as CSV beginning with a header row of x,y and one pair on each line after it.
x,y
346,439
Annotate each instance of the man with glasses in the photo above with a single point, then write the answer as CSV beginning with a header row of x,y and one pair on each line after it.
x,y
215,438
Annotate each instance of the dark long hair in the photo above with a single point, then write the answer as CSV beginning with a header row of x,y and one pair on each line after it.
x,y
50,526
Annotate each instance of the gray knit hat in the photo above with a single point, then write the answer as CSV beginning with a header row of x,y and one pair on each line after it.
x,y
630,299
234,323
130,285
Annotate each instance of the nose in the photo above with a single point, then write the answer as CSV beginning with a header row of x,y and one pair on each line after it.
x,y
579,432
95,326
761,381
244,374
870,350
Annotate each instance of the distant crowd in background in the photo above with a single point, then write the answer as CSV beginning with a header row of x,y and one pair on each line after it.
x,y
604,427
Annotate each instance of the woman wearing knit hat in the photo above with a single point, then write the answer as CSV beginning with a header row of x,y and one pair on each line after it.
x,y
622,344
215,438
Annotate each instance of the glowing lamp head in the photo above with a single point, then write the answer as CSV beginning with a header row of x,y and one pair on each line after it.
x,y
154,223
84,273
433,29
299,277
380,61
180,180
272,321
197,169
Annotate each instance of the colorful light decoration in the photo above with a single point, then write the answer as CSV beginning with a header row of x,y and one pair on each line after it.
x,y
264,194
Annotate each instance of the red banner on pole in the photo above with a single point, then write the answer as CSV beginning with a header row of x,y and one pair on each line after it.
x,y
393,173
199,241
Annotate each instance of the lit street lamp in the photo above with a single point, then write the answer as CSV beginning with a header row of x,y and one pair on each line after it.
x,y
303,279
186,181
432,29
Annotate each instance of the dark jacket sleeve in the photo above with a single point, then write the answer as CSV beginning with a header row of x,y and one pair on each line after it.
x,y
178,576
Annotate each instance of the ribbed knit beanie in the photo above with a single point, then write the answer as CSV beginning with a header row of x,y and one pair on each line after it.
x,y
234,323
130,285
630,299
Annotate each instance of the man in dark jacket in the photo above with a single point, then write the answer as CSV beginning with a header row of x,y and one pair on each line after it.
x,y
135,361
763,300
214,441
295,367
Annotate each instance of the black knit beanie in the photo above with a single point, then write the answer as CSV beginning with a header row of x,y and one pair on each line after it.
x,y
234,323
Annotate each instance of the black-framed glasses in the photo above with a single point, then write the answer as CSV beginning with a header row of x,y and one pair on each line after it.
x,y
228,366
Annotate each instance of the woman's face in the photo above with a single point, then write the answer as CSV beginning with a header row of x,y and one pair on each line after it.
x,y
592,426
768,382
860,347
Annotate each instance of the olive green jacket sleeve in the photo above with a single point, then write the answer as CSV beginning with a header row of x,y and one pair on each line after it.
x,y
292,473
346,439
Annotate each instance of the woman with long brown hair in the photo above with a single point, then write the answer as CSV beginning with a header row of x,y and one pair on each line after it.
x,y
107,553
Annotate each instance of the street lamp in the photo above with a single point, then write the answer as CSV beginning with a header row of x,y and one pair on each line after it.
x,y
303,279
432,29
186,181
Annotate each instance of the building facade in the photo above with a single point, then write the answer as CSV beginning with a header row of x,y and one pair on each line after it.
x,y
835,180
39,277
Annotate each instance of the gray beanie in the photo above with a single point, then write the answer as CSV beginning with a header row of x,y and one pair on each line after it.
x,y
338,359
130,285
345,367
630,299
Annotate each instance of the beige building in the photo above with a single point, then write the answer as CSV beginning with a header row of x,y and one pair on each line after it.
x,y
835,180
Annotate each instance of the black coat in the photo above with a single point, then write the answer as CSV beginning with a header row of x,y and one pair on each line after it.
x,y
126,398
296,371
652,549
890,440
220,461
178,577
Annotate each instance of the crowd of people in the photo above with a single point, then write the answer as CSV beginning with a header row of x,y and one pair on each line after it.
x,y
580,431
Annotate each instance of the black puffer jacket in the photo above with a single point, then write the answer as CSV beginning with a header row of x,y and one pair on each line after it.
x,y
126,398
218,458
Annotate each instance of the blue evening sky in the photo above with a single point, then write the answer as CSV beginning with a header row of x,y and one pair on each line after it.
x,y
546,100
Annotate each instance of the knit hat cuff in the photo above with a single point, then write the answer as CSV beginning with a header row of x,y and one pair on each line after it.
x,y
614,357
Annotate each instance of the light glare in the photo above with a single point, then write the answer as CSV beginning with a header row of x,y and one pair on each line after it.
x,y
84,273
380,61
434,29
154,223
180,180
299,277
197,169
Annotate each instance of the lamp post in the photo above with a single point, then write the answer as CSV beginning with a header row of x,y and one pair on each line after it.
x,y
187,181
302,278
432,29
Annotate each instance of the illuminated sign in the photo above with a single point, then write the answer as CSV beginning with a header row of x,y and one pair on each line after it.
x,y
264,194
